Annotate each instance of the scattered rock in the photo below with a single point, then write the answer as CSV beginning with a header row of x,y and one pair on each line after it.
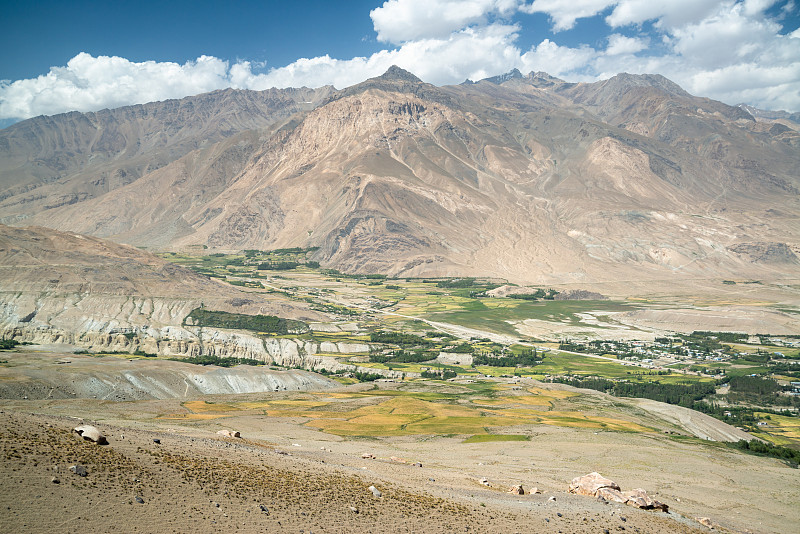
x,y
375,491
535,491
55,480
79,470
229,433
485,482
139,500
416,464
354,509
398,460
90,433
368,456
589,484
517,490
264,509
640,499
157,441
552,498
705,521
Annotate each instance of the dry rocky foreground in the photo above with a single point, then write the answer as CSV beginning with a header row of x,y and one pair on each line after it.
x,y
167,481
162,473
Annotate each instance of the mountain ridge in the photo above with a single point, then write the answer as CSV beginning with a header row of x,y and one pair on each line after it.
x,y
550,180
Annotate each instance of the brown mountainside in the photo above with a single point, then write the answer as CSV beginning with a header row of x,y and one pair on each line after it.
x,y
524,177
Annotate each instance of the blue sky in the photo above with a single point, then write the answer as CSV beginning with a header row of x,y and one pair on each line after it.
x,y
62,56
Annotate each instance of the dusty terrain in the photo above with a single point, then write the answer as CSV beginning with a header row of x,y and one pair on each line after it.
x,y
308,479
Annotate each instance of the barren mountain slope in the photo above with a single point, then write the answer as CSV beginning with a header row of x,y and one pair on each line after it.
x,y
522,180
65,159
77,284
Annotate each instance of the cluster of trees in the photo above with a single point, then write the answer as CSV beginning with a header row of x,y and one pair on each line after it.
x,y
536,295
768,449
681,394
238,321
366,377
526,358
439,375
754,385
219,361
403,357
277,266
6,344
464,348
397,338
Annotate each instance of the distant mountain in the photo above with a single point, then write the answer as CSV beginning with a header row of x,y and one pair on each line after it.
x,y
767,114
524,177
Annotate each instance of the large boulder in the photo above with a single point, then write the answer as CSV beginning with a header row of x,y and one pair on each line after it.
x,y
589,484
610,494
90,433
229,433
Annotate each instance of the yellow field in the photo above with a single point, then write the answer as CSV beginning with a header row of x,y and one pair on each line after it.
x,y
780,430
379,412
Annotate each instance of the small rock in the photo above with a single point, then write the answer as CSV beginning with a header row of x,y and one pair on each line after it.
x,y
354,509
552,498
559,514
517,490
264,509
139,500
157,441
432,479
79,470
375,491
416,464
55,480
484,481
705,521
368,456
535,491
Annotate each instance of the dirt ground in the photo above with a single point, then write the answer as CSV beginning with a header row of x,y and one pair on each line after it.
x,y
198,482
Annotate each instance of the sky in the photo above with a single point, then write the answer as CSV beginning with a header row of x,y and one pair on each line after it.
x,y
61,55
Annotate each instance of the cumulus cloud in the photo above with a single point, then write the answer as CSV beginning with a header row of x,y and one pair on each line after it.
x,y
399,21
564,13
730,50
620,44
90,83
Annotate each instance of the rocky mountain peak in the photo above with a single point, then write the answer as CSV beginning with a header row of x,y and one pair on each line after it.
x,y
395,73
510,75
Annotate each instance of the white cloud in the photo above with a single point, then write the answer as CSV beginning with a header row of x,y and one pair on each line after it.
x,y
667,14
729,50
556,60
90,83
564,13
399,21
620,44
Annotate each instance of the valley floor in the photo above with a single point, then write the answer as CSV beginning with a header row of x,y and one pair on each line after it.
x,y
310,481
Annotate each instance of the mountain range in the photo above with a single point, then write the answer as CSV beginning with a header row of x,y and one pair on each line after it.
x,y
522,177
